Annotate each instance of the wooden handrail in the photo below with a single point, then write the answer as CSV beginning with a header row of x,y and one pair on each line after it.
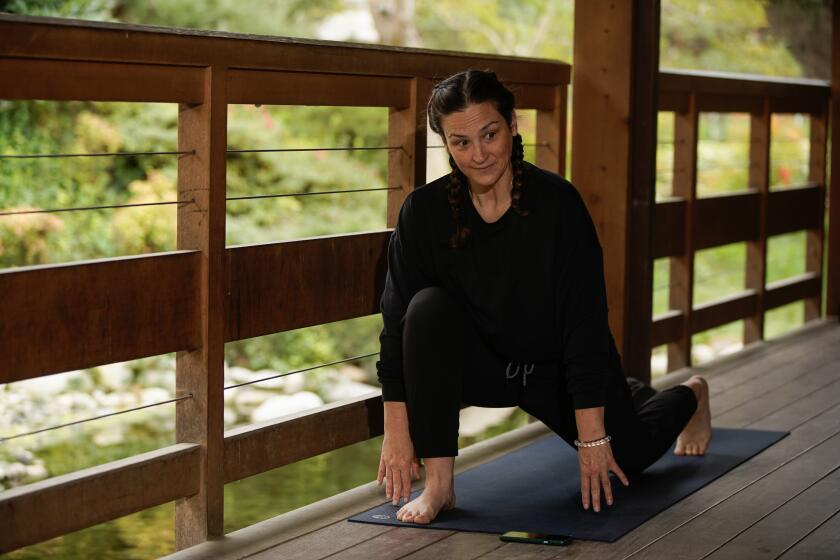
x,y
685,223
194,300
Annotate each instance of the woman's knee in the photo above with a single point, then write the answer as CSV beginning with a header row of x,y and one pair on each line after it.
x,y
432,308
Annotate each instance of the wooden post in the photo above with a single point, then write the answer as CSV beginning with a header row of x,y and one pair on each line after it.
x,y
816,237
681,295
200,371
833,292
759,180
551,134
615,99
407,129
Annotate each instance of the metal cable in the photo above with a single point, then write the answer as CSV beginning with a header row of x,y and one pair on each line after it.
x,y
301,370
51,210
101,154
50,428
310,193
544,144
350,148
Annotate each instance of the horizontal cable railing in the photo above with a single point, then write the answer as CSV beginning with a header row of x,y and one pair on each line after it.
x,y
687,223
196,299
4,439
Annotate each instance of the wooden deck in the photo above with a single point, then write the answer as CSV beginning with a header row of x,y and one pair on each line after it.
x,y
782,503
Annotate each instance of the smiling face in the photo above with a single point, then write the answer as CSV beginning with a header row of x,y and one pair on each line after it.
x,y
480,141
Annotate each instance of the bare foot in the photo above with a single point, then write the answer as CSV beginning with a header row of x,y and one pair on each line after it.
x,y
694,439
438,494
425,507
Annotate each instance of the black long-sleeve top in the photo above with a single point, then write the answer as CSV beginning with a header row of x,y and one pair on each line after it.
x,y
533,285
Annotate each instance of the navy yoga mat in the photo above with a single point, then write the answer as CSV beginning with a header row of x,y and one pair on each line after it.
x,y
537,489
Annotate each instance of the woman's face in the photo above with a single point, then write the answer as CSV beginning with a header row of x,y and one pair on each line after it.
x,y
480,141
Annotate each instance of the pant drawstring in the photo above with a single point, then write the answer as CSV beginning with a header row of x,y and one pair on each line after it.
x,y
527,369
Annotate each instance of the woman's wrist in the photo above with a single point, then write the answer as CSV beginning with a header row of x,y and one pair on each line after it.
x,y
590,423
396,416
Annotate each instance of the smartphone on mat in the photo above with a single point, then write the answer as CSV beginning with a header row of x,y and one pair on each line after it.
x,y
536,538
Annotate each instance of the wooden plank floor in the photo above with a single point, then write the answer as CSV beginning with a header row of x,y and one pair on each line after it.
x,y
782,503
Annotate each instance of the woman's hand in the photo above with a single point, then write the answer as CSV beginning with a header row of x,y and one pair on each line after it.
x,y
398,465
595,464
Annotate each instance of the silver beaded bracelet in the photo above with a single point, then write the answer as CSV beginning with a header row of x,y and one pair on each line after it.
x,y
593,443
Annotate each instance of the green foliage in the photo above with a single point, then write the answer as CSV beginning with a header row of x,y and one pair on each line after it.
x,y
752,36
76,9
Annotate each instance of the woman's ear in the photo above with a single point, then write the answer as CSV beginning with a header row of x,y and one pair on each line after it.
x,y
513,128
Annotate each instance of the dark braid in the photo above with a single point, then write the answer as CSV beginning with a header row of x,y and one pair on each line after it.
x,y
517,157
453,94
457,184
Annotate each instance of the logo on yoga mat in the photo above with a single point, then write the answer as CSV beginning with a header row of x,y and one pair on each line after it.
x,y
381,516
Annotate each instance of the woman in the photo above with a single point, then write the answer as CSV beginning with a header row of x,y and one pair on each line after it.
x,y
495,297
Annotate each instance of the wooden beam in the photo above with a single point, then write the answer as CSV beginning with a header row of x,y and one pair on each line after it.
x,y
813,102
833,272
613,162
735,217
63,317
704,82
793,289
407,128
729,103
551,134
313,88
681,292
63,504
815,236
65,39
667,328
795,208
723,311
669,229
201,227
759,180
283,286
257,448
61,80
535,96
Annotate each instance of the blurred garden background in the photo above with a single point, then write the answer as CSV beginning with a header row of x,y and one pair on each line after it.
x,y
767,37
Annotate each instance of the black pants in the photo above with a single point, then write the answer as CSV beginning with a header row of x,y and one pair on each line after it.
x,y
446,363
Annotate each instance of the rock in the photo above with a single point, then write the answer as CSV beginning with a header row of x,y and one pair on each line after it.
x,y
76,403
117,401
112,435
475,420
164,379
115,376
238,374
152,395
276,383
281,405
346,389
702,353
43,387
230,417
247,399
353,373
659,363
294,383
36,471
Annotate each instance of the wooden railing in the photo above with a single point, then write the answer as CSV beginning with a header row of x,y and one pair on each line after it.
x,y
192,301
685,223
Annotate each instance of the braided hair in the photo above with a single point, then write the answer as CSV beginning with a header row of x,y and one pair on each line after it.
x,y
453,94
